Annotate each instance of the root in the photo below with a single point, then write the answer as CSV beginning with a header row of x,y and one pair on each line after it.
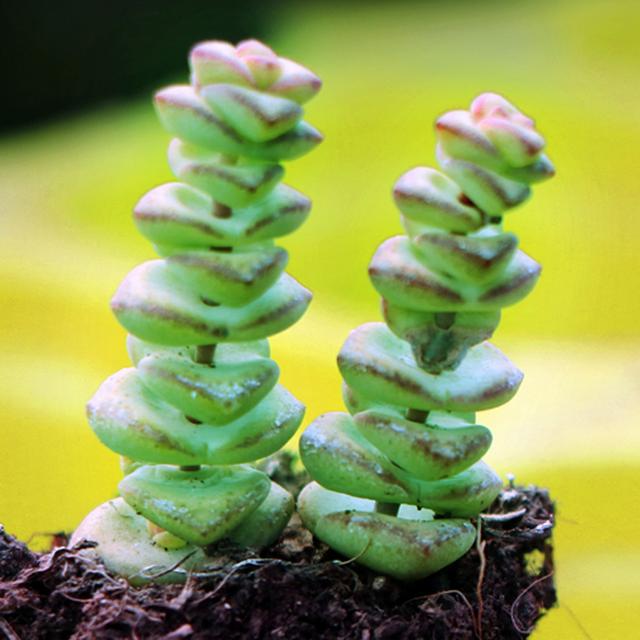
x,y
516,603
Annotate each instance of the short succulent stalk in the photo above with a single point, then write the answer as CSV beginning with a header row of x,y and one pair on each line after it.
x,y
388,508
203,400
205,354
397,481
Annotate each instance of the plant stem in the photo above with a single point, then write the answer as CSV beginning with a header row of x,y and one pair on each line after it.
x,y
387,508
221,210
417,415
444,319
205,353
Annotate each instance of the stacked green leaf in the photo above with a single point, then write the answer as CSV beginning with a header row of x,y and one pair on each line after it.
x,y
399,478
203,398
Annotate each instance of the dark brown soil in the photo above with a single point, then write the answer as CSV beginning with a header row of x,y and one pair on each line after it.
x,y
297,589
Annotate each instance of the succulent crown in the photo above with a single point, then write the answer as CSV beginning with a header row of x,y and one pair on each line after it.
x,y
457,259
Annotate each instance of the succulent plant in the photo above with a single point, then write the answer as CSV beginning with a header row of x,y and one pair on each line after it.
x,y
397,480
202,400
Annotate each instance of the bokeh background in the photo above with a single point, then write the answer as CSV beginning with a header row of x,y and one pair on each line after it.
x,y
80,143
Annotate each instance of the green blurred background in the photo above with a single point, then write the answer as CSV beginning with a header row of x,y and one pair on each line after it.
x,y
67,188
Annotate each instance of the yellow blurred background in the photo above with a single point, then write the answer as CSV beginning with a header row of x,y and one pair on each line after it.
x,y
389,69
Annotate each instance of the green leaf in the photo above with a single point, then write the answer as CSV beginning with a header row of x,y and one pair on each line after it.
x,y
255,115
215,395
409,547
133,421
197,506
378,365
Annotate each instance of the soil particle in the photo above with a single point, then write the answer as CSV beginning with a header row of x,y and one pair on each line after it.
x,y
298,589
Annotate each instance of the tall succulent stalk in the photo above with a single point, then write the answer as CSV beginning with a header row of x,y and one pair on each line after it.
x,y
399,478
202,399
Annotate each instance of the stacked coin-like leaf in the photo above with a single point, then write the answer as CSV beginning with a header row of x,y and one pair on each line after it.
x,y
203,396
413,386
